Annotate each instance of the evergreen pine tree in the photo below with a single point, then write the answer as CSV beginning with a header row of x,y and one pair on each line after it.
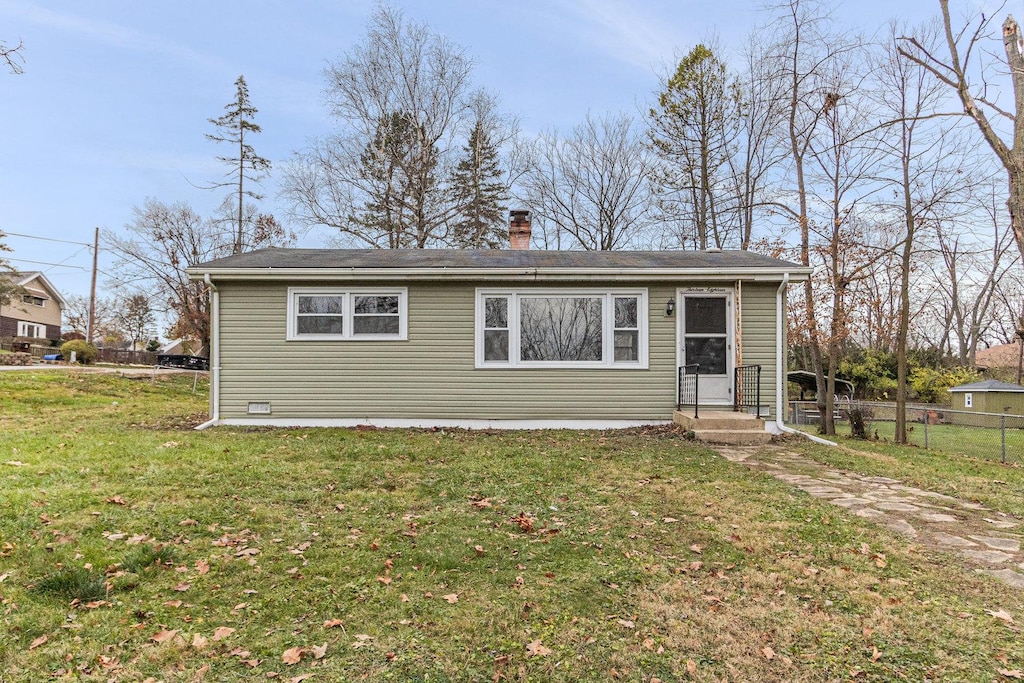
x,y
246,164
479,195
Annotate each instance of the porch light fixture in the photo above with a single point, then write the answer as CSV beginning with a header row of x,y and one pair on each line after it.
x,y
670,307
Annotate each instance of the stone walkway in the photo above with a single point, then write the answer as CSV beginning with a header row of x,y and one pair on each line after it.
x,y
987,540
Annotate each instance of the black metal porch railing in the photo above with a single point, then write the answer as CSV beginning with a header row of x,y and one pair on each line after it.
x,y
747,389
688,385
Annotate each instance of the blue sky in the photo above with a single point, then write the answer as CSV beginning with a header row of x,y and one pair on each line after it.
x,y
113,105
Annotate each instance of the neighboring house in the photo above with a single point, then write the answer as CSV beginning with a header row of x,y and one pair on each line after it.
x,y
34,311
173,347
999,356
497,338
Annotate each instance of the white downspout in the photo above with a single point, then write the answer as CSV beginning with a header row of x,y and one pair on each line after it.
x,y
214,354
780,367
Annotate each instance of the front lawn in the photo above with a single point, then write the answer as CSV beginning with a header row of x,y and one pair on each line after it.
x,y
134,548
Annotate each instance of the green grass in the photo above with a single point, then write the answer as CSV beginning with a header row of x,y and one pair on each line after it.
x,y
443,556
975,442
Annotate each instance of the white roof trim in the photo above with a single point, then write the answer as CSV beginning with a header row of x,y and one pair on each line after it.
x,y
798,274
29,277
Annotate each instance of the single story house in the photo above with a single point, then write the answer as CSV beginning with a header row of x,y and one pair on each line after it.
x,y
490,338
34,311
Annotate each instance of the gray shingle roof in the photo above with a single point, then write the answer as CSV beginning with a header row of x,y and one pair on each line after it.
x,y
988,385
275,258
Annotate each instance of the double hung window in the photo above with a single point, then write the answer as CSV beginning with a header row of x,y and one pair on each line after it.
x,y
31,330
571,328
346,314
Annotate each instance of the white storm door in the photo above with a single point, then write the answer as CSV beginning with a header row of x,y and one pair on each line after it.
x,y
706,338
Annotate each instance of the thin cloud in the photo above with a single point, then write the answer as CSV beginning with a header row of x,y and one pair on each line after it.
x,y
623,32
102,31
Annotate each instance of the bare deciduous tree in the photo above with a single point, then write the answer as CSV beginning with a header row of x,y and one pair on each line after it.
x,y
590,189
162,241
12,57
971,82
400,99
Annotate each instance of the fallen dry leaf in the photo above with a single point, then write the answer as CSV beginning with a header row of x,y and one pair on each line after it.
x,y
768,652
202,566
172,603
669,520
199,642
182,587
38,641
222,632
300,678
1000,614
625,623
697,548
116,500
244,552
201,672
332,623
292,655
164,636
479,550
1011,673
537,649
319,651
188,522
452,598
386,580
691,666
875,654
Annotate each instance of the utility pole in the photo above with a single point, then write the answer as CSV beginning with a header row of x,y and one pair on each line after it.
x,y
92,293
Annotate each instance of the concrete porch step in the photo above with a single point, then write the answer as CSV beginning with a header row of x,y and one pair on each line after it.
x,y
718,419
724,427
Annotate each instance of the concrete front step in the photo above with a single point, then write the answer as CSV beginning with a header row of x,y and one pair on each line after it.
x,y
718,419
724,427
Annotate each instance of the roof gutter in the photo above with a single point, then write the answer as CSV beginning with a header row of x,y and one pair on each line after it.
x,y
449,273
214,355
780,366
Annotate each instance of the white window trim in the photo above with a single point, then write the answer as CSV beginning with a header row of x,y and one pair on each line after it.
x,y
968,400
347,311
24,327
32,298
608,332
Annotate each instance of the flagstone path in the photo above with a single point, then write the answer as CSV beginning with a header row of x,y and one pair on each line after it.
x,y
987,541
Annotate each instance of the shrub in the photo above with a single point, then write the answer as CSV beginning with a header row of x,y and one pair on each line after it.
x,y
860,419
85,353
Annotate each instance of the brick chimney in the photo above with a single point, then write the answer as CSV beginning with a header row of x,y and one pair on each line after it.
x,y
519,229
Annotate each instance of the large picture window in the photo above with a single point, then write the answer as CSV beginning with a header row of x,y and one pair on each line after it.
x,y
346,314
573,328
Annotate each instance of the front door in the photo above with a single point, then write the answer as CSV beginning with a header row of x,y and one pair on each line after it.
x,y
706,337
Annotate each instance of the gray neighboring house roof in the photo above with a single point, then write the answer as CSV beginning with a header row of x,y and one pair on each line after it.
x,y
988,385
459,263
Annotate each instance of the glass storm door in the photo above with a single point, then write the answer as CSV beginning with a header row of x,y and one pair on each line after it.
x,y
706,338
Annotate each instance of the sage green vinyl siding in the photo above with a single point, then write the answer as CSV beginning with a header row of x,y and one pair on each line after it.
x,y
432,375
757,335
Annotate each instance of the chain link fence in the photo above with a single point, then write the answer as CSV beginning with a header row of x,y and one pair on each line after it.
x,y
992,436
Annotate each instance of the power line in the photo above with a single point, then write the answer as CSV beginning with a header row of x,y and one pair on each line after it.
x,y
48,239
45,263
